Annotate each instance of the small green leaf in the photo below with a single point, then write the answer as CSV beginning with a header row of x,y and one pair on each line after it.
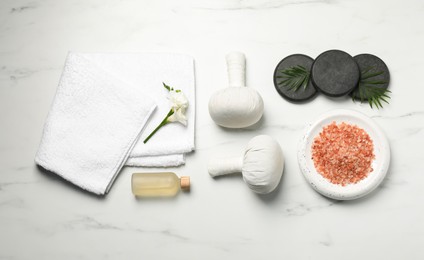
x,y
294,78
167,87
371,75
368,89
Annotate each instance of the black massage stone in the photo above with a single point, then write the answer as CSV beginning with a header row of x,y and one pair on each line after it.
x,y
335,73
302,94
369,61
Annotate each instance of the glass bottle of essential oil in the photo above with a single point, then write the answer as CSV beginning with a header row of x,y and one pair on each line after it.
x,y
158,184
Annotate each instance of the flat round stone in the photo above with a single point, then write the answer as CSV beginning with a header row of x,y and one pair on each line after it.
x,y
335,73
302,94
369,63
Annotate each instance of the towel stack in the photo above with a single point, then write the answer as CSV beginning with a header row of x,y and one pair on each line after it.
x,y
105,105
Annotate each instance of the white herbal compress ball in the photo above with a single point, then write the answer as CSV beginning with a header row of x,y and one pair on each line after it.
x,y
236,106
261,165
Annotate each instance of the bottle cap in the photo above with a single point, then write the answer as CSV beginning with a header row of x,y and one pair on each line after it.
x,y
185,182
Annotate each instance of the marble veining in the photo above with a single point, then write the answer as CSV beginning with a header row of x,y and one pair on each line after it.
x,y
3,185
301,209
263,5
405,115
23,8
43,217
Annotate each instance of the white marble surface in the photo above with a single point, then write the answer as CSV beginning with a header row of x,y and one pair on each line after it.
x,y
43,217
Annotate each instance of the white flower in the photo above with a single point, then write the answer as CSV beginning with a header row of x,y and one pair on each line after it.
x,y
179,105
178,100
178,116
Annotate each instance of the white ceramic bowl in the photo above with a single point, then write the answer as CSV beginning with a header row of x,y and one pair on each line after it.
x,y
380,164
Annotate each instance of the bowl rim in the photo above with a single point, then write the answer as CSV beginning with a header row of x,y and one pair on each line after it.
x,y
351,191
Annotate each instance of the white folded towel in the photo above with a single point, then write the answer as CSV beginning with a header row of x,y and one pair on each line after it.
x,y
147,71
157,161
93,125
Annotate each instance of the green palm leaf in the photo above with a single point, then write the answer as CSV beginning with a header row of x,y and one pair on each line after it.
x,y
294,78
368,89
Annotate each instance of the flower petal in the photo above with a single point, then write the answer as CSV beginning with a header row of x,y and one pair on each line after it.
x,y
178,116
178,100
